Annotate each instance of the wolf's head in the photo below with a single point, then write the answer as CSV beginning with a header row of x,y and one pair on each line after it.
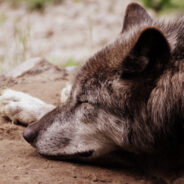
x,y
116,98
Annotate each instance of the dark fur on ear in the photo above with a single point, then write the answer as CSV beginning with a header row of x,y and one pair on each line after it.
x,y
150,53
135,14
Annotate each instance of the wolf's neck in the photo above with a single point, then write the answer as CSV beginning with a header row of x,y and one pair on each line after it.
x,y
166,103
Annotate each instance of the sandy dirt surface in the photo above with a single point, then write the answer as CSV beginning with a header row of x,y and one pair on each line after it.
x,y
21,164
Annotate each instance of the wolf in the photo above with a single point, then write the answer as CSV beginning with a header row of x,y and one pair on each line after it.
x,y
128,96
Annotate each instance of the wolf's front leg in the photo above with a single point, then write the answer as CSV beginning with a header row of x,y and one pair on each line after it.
x,y
18,106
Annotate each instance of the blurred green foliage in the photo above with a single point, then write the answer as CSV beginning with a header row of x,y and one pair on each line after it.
x,y
70,62
67,63
38,4
33,4
164,5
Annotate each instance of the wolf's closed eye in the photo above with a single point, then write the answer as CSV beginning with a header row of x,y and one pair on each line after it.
x,y
79,102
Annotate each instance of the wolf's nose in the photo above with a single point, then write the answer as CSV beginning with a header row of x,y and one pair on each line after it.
x,y
29,134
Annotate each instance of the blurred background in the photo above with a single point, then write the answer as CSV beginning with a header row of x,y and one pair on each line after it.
x,y
65,32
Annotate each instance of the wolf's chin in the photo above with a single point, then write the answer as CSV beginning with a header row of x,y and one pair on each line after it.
x,y
80,155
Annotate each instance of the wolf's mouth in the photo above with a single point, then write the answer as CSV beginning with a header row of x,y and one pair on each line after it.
x,y
84,154
78,155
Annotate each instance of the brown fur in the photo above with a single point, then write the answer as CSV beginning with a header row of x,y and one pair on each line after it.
x,y
151,101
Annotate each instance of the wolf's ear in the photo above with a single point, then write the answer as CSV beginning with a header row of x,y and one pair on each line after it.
x,y
135,14
150,53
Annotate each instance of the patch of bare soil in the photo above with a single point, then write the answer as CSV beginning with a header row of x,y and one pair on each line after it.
x,y
21,164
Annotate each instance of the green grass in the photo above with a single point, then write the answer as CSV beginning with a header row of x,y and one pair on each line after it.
x,y
18,46
22,38
70,62
77,1
3,18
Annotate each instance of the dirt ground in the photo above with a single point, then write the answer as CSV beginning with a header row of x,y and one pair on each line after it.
x,y
21,164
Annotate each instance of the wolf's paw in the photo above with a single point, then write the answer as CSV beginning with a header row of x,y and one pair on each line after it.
x,y
18,106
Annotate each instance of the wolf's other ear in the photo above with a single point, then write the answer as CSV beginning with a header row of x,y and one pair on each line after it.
x,y
150,53
135,14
